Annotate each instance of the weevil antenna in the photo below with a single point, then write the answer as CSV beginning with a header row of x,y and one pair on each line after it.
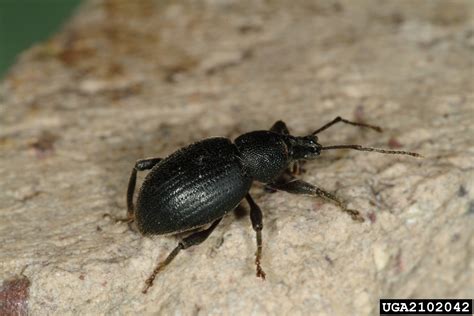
x,y
342,120
379,150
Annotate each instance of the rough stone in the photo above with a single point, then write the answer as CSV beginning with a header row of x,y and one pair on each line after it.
x,y
125,80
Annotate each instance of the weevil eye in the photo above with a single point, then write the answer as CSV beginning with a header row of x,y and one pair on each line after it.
x,y
305,147
311,140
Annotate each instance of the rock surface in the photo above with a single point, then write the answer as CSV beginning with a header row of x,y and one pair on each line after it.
x,y
125,80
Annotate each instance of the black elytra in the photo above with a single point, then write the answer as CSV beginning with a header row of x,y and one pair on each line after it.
x,y
197,185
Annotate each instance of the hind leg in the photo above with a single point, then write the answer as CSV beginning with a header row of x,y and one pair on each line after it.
x,y
191,240
140,165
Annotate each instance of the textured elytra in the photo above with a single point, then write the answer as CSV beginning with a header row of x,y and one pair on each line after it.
x,y
192,187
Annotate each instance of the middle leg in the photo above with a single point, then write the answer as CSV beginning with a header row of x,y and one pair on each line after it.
x,y
297,186
256,218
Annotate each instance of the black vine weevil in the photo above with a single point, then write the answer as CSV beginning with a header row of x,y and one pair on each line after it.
x,y
198,184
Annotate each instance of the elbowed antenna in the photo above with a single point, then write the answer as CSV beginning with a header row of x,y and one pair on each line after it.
x,y
361,148
340,119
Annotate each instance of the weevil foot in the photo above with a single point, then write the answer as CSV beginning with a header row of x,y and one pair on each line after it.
x,y
148,284
260,272
151,278
355,215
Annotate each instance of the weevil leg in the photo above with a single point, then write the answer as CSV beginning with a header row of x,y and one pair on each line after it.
x,y
140,165
256,218
340,119
191,240
280,127
297,186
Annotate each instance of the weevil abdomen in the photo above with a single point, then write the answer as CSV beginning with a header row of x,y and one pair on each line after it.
x,y
191,188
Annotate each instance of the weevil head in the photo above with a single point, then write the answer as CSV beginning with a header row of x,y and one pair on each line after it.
x,y
265,154
304,147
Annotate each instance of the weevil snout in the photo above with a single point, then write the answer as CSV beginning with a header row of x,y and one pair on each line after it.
x,y
305,147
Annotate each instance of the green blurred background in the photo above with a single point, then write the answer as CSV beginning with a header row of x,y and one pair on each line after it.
x,y
25,22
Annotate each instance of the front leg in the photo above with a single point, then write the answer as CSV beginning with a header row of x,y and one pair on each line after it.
x,y
297,186
280,127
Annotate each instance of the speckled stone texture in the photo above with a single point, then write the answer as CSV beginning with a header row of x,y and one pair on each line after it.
x,y
126,80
